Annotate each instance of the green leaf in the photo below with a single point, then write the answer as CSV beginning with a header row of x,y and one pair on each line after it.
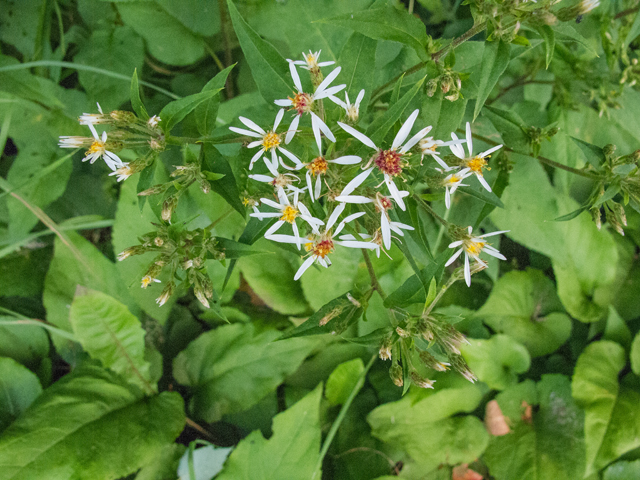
x,y
633,32
408,292
495,59
616,330
89,425
635,355
623,470
168,40
612,419
19,387
164,465
207,112
511,128
443,115
497,188
199,16
175,111
118,50
524,305
26,344
19,21
226,187
381,125
291,452
207,462
592,153
566,32
387,23
571,215
426,430
231,368
497,361
136,101
111,334
270,70
234,249
549,447
546,32
489,198
343,380
356,58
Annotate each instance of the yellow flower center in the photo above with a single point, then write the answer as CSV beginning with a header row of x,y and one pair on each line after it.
x,y
453,179
96,146
289,214
323,248
474,248
318,166
476,164
270,140
146,281
302,102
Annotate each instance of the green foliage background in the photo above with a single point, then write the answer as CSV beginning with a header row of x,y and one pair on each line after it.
x,y
99,382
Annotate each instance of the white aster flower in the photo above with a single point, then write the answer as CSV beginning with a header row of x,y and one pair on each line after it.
x,y
269,141
288,212
390,162
94,118
323,243
473,163
352,110
147,280
429,146
97,148
451,183
303,102
280,181
310,61
472,247
123,172
585,6
154,121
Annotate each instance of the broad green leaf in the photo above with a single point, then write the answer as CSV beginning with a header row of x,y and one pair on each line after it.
x,y
78,263
497,188
111,334
130,225
611,412
496,361
549,447
19,21
546,32
633,32
511,128
343,380
207,112
202,17
136,101
164,465
387,23
443,115
356,58
412,289
623,470
524,305
481,194
235,250
175,111
19,387
584,259
118,50
207,462
593,153
495,59
381,125
226,187
616,330
426,430
231,368
564,31
290,453
167,39
271,278
26,344
270,70
635,355
89,425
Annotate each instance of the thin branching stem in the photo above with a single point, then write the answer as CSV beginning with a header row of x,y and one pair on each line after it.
x,y
372,274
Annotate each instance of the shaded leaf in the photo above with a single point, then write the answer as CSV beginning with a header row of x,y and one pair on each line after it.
x,y
175,111
343,380
136,101
19,387
207,112
213,161
495,59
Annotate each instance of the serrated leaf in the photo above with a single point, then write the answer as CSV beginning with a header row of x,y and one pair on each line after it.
x,y
291,452
207,112
387,23
136,101
232,367
524,305
89,425
108,331
495,60
19,387
270,70
175,111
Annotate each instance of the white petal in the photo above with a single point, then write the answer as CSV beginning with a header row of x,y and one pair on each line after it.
x,y
352,244
283,239
254,144
325,64
303,268
337,101
273,228
415,139
252,125
349,218
296,233
495,254
469,140
453,258
93,131
360,136
455,244
319,124
292,129
273,168
386,231
310,185
325,83
271,203
467,269
335,214
278,119
393,190
329,92
316,131
356,182
353,199
494,233
447,198
248,133
404,130
359,98
256,157
346,160
295,76
285,102
318,187
261,178
490,151
483,182
290,156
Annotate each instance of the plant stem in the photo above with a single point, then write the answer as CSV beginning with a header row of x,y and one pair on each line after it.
x,y
472,32
541,159
219,219
410,8
441,231
341,415
453,279
374,280
626,12
430,210
199,428
40,323
213,54
226,28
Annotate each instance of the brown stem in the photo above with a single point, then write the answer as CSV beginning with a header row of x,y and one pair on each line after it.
x,y
199,429
372,274
626,12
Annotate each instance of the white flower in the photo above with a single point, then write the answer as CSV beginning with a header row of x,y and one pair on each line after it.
x,y
390,162
428,146
352,110
94,118
472,247
585,6
310,61
123,172
303,102
269,141
147,280
280,181
288,213
154,121
473,163
97,148
322,244
452,182
319,166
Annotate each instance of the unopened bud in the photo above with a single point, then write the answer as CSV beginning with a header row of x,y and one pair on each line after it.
x,y
453,97
460,365
418,381
609,149
385,348
395,372
614,220
432,86
157,144
158,241
432,362
168,207
619,212
201,296
205,186
153,190
122,117
165,295
127,252
153,121
402,332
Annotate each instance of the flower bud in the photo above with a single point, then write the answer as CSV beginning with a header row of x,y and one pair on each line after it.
x,y
205,186
432,86
432,362
123,118
165,295
395,372
201,296
154,190
609,149
460,365
168,207
418,381
385,348
127,252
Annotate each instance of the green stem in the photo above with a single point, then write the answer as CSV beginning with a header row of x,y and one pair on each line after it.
x,y
430,210
372,274
453,279
343,412
215,57
40,323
